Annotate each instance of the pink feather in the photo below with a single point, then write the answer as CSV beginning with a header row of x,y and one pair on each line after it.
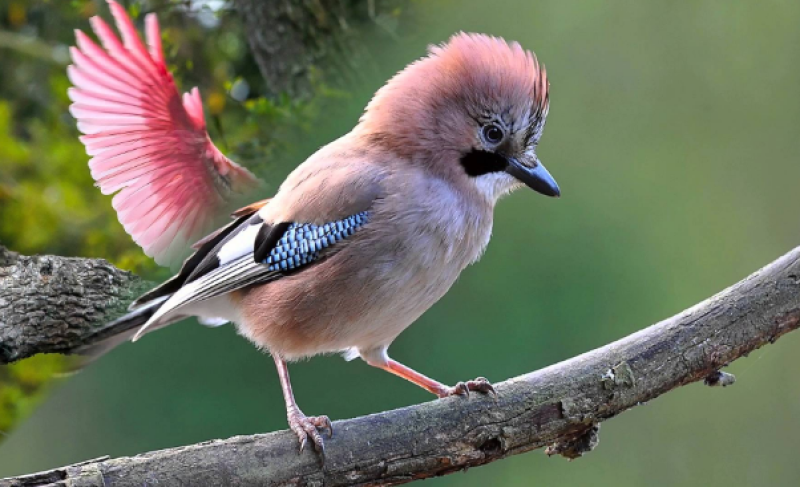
x,y
148,143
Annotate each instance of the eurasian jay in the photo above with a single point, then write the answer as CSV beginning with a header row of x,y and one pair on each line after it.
x,y
360,239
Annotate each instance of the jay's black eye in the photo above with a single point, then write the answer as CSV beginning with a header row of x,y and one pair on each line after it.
x,y
492,134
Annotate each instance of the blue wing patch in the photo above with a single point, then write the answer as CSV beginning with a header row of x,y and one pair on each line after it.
x,y
302,242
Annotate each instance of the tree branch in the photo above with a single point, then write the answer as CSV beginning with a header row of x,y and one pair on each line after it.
x,y
51,304
559,407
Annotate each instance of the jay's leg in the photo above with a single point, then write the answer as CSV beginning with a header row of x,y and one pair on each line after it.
x,y
304,427
382,361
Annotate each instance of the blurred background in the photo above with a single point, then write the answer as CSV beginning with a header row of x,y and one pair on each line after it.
x,y
672,132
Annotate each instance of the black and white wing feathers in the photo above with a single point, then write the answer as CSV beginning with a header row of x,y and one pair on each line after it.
x,y
254,253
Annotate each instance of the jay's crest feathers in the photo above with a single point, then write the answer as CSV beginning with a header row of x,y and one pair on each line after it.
x,y
471,77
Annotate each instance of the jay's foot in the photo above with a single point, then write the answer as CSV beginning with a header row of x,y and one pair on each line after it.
x,y
464,388
307,427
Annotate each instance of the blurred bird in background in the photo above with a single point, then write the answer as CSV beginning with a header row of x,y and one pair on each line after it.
x,y
359,241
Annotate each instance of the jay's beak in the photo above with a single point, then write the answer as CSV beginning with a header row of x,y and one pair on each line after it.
x,y
534,176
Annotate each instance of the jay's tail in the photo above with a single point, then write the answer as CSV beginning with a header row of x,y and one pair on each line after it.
x,y
122,329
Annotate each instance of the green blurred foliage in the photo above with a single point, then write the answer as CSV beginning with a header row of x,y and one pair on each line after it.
x,y
22,385
673,134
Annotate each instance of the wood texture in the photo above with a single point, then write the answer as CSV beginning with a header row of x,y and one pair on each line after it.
x,y
52,304
559,407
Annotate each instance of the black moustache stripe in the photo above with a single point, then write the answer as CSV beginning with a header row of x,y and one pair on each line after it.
x,y
478,162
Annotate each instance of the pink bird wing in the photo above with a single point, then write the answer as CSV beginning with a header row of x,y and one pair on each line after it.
x,y
148,144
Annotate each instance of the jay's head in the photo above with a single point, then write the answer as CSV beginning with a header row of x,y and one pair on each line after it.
x,y
472,111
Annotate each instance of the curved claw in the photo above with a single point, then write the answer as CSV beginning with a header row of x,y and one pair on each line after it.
x,y
303,442
481,384
326,425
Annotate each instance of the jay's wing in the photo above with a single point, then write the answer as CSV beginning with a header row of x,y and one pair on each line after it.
x,y
244,211
148,144
248,252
